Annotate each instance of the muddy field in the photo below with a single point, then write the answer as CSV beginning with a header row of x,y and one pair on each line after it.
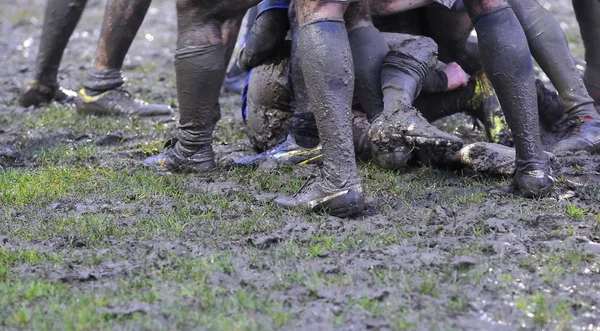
x,y
90,239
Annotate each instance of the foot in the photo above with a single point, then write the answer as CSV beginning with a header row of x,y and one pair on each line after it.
x,y
583,134
287,152
171,159
407,127
489,158
36,94
487,109
534,179
118,102
319,195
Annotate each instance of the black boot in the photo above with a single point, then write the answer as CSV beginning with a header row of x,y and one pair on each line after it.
x,y
326,62
508,64
172,159
36,94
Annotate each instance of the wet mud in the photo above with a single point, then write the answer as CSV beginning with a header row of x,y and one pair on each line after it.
x,y
434,249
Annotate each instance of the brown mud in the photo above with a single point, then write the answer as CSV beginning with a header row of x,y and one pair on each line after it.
x,y
122,247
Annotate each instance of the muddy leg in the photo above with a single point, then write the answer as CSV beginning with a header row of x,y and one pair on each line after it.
x,y
368,50
588,13
200,69
326,62
102,93
60,19
548,45
402,75
507,61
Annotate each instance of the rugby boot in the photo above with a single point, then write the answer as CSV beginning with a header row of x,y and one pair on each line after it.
x,y
118,102
36,94
583,134
534,179
287,152
401,124
393,158
173,160
490,158
318,194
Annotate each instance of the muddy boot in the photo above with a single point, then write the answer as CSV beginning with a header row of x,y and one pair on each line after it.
x,y
317,194
393,159
288,152
301,146
401,124
507,62
326,63
36,94
117,102
583,134
489,158
172,159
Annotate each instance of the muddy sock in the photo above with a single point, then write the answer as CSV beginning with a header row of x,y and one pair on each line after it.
x,y
548,45
436,81
403,72
368,50
304,129
326,62
99,81
588,16
265,37
200,71
122,20
60,19
508,65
